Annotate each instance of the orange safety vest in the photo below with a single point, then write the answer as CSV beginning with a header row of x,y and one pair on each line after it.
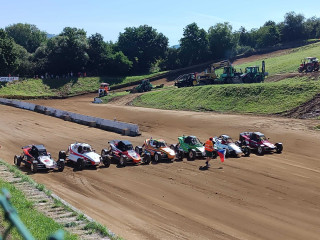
x,y
208,146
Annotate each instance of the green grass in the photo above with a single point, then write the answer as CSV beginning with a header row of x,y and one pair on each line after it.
x,y
63,86
288,62
39,225
260,98
111,96
94,226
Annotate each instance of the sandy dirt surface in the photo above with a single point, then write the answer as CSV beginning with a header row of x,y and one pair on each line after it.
x,y
276,196
262,56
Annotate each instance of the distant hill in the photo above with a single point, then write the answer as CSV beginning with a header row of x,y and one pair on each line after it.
x,y
176,46
50,35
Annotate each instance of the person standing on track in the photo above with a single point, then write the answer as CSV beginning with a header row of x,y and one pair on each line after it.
x,y
209,150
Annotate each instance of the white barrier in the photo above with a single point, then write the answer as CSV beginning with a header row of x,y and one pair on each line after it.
x,y
8,79
109,125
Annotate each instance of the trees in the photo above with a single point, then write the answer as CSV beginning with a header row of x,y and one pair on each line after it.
x,y
143,45
67,51
268,35
193,45
98,53
312,27
221,40
8,54
26,35
293,27
172,60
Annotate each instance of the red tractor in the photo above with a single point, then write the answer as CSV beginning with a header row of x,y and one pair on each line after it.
x,y
309,64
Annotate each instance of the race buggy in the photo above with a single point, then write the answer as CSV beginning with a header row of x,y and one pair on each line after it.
x,y
82,155
157,149
191,147
232,148
122,152
37,158
258,142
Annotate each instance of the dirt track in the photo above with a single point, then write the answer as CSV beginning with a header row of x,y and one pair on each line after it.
x,y
269,197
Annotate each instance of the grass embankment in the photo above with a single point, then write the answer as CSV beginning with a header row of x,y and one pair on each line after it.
x,y
260,98
114,95
287,62
91,226
63,86
37,223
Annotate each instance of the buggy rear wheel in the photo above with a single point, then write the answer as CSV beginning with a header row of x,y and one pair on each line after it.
x,y
106,161
103,153
246,151
34,167
147,158
180,155
17,160
61,165
279,148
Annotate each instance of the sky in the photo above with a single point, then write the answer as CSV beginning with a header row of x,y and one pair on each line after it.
x,y
109,18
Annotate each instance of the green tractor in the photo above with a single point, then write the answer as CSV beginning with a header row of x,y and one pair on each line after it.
x,y
189,146
253,75
144,86
230,75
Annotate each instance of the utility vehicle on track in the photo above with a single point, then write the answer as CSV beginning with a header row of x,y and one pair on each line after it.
x,y
37,158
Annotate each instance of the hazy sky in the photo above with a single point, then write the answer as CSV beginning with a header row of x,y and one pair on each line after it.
x,y
109,18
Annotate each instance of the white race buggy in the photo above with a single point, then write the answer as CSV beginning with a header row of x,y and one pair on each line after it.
x,y
82,155
232,148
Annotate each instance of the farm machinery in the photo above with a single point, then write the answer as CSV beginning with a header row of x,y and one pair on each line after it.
x,y
309,64
144,86
186,80
252,74
230,75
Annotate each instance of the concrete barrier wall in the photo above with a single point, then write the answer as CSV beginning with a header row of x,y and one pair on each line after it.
x,y
105,124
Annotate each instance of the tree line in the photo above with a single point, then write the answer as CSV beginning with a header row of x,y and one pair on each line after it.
x,y
25,50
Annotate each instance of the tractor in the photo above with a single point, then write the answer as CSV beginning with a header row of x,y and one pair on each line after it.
x,y
253,75
309,64
209,76
186,80
230,75
144,86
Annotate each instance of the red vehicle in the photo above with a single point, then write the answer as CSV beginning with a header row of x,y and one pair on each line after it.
x,y
258,142
309,64
122,152
37,158
103,89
